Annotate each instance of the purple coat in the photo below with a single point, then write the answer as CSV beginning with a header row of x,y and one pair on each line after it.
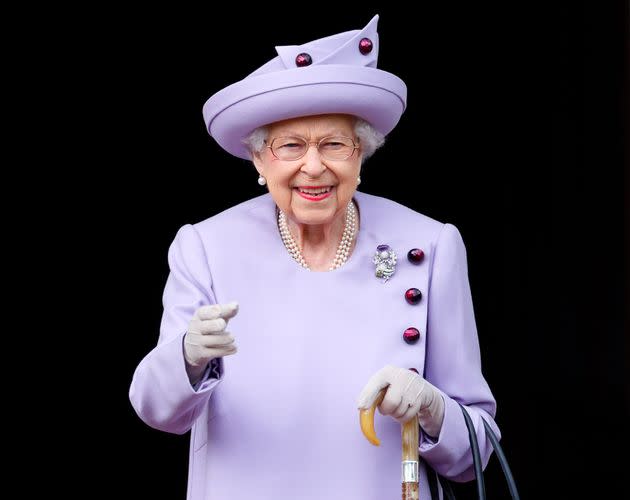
x,y
279,419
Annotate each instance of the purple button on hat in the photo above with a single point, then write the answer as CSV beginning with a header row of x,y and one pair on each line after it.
x,y
365,46
303,59
338,76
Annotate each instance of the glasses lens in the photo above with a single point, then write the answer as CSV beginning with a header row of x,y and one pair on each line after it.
x,y
289,148
331,148
336,148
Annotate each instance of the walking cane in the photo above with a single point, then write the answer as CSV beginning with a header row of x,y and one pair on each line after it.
x,y
410,439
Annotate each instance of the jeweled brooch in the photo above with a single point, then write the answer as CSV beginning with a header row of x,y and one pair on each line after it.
x,y
385,261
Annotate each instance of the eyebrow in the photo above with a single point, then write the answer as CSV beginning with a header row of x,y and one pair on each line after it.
x,y
332,133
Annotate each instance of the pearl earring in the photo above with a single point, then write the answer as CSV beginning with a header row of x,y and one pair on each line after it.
x,y
261,180
358,180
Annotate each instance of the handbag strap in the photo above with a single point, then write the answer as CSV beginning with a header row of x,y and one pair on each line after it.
x,y
432,479
507,472
447,488
474,445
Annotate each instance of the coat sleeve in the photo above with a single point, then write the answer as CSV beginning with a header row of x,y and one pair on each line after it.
x,y
160,391
453,362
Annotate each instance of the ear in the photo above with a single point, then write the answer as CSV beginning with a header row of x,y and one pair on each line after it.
x,y
258,162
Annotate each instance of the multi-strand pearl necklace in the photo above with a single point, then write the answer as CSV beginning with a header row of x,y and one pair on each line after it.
x,y
349,232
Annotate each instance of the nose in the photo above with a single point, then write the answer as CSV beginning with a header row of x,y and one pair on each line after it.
x,y
312,164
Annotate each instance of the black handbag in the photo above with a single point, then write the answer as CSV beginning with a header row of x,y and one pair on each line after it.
x,y
447,488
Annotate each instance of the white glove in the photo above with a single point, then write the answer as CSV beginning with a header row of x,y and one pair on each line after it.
x,y
407,394
206,338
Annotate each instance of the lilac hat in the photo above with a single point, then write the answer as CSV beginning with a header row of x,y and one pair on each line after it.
x,y
335,74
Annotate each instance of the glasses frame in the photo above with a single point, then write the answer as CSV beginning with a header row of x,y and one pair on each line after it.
x,y
309,144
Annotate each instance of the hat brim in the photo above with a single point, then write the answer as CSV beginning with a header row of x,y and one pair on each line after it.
x,y
374,95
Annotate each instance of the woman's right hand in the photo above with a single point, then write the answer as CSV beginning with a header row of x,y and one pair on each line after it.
x,y
206,338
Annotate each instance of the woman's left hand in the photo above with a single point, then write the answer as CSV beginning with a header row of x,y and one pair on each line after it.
x,y
407,394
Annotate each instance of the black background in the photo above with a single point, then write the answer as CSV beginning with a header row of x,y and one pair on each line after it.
x,y
513,132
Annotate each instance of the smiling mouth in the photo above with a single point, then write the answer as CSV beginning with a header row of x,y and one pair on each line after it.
x,y
314,191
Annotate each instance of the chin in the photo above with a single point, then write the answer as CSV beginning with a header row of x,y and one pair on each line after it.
x,y
314,215
313,219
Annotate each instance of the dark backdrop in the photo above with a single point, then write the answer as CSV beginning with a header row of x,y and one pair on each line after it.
x,y
513,133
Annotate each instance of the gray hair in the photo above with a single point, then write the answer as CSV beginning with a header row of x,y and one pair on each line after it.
x,y
369,138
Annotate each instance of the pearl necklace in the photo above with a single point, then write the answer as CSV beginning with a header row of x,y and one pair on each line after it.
x,y
349,232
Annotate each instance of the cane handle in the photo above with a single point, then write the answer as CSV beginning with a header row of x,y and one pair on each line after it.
x,y
366,418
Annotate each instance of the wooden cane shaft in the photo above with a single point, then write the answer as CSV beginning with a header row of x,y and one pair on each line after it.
x,y
410,439
410,491
410,443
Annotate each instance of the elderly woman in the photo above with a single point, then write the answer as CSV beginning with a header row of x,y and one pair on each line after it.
x,y
340,295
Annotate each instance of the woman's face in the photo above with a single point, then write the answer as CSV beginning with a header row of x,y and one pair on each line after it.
x,y
312,189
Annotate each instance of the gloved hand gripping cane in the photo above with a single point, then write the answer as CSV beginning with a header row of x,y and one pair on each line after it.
x,y
411,400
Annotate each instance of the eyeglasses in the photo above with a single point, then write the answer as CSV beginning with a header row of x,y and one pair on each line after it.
x,y
330,148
